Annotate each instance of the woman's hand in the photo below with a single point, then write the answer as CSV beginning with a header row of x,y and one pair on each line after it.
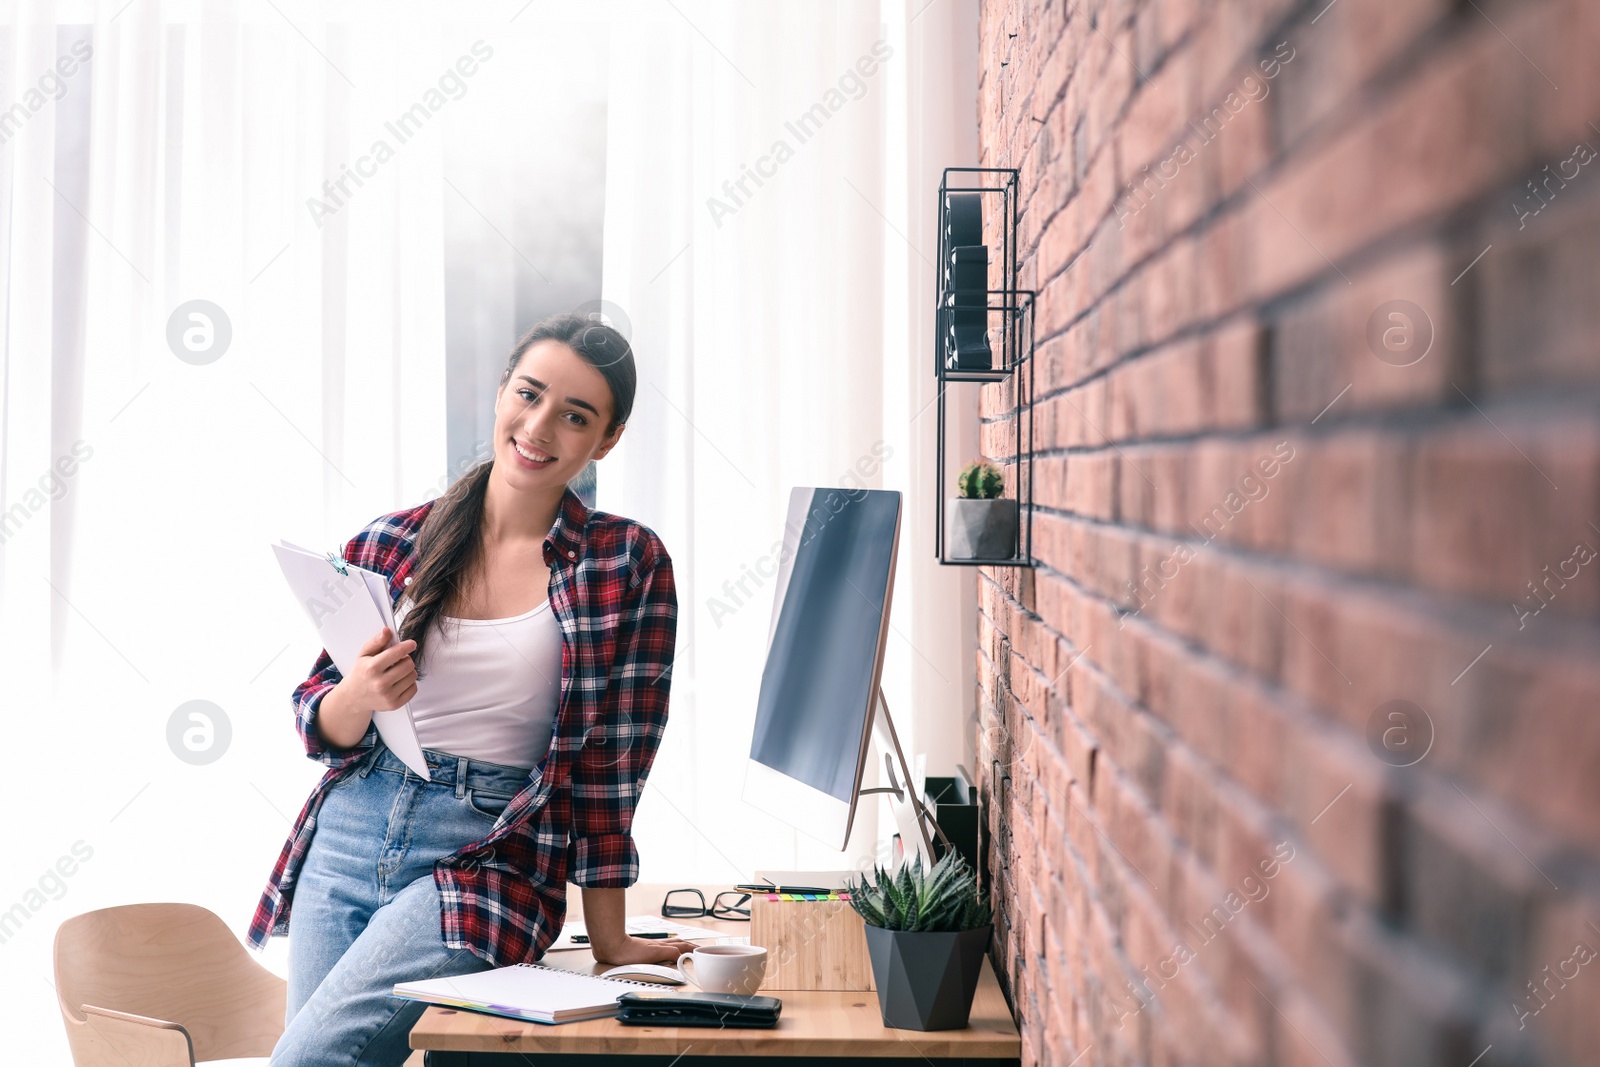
x,y
643,950
384,677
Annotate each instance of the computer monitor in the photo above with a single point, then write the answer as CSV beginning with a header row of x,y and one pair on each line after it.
x,y
830,619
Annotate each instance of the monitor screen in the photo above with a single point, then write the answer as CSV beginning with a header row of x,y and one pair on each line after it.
x,y
825,650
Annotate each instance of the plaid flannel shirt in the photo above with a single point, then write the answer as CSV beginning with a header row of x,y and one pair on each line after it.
x,y
504,896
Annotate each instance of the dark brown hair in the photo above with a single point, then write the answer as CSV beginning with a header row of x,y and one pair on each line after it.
x,y
448,541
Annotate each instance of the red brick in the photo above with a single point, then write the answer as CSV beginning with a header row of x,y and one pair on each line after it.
x,y
1233,386
1561,33
1562,1012
1135,489
1242,147
1247,617
1303,1038
1313,662
1434,142
1306,922
1265,473
1154,118
1171,573
1159,394
1400,653
1414,1009
1351,502
1337,799
1164,472
1351,42
1223,264
1259,734
1230,40
1327,362
1475,485
1537,319
1091,484
1190,803
1537,733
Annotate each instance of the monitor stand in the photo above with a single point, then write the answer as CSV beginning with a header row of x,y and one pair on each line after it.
x,y
907,791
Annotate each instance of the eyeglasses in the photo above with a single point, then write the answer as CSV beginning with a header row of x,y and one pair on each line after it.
x,y
691,904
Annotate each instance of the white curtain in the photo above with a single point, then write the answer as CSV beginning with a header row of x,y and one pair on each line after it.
x,y
141,490
782,340
782,327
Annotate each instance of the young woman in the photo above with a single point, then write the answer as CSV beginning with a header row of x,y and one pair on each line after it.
x,y
545,633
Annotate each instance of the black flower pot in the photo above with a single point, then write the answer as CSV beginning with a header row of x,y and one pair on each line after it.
x,y
926,980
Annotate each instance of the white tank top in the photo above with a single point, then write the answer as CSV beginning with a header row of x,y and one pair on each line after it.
x,y
492,687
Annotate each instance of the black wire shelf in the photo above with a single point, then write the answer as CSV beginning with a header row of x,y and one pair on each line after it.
x,y
983,335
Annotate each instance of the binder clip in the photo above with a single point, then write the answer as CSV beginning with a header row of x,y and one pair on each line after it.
x,y
337,563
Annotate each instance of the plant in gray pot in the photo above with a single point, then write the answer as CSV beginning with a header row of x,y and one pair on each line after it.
x,y
927,933
980,524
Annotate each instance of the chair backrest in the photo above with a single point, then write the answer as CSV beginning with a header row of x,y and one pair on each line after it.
x,y
174,962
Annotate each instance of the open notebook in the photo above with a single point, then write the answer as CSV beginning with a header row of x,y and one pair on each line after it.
x,y
528,991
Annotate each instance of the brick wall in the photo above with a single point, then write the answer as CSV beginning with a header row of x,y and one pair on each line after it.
x,y
1292,738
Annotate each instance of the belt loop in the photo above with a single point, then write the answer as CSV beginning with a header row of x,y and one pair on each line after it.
x,y
461,777
370,760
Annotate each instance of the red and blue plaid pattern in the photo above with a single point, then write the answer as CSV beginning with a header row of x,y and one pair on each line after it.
x,y
504,897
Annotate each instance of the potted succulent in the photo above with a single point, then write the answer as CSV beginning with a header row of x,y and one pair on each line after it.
x,y
927,933
980,524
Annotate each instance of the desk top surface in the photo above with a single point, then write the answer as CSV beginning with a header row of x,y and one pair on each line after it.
x,y
813,1023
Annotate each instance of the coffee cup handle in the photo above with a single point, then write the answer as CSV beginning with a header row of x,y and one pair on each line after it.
x,y
689,957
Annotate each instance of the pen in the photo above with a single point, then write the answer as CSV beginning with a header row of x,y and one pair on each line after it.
x,y
652,935
784,889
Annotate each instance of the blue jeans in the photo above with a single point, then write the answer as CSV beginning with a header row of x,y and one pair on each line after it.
x,y
365,911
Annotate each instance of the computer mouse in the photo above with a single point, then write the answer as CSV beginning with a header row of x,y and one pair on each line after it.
x,y
653,971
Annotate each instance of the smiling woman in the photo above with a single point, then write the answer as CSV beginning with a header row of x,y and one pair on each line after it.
x,y
550,629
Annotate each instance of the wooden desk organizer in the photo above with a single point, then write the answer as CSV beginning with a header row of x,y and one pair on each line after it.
x,y
811,944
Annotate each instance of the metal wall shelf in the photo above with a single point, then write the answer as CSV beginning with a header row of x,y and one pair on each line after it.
x,y
973,325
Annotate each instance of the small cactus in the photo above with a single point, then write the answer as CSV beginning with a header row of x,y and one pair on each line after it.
x,y
980,481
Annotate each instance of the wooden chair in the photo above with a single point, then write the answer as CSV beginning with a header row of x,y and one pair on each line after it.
x,y
162,985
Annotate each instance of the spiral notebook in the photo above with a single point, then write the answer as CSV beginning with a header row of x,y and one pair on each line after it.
x,y
528,991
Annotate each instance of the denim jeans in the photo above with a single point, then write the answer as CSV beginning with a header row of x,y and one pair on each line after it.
x,y
365,911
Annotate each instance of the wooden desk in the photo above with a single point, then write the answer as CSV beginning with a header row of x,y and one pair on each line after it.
x,y
813,1026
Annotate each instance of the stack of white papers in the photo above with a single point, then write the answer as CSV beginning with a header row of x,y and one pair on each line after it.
x,y
348,606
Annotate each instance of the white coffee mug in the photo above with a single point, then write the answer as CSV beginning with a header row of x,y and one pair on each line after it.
x,y
725,968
